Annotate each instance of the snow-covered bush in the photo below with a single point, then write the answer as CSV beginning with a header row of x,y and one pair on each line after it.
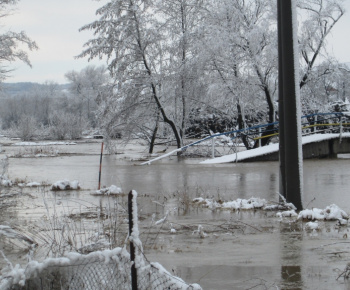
x,y
332,212
4,180
76,126
26,128
112,190
58,126
65,185
66,126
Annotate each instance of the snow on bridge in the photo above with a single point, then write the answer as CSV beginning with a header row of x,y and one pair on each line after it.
x,y
317,145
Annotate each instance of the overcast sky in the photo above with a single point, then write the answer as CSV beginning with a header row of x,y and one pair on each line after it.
x,y
54,25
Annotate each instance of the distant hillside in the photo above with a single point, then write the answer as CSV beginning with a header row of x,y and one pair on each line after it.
x,y
15,89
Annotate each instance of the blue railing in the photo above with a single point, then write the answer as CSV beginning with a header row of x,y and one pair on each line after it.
x,y
256,130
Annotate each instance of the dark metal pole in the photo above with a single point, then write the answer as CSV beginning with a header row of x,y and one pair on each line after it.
x,y
132,247
291,102
282,175
99,173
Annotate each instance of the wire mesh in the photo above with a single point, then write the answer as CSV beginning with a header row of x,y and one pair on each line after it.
x,y
98,270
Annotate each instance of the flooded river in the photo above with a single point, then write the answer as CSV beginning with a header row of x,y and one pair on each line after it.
x,y
257,250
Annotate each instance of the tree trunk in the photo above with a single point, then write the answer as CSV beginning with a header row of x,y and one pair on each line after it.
x,y
154,135
241,125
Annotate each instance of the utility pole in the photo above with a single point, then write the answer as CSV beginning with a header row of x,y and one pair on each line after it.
x,y
291,159
282,163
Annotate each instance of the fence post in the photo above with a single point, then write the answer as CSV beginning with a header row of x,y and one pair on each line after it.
x,y
99,173
132,247
341,129
259,136
213,147
315,128
236,147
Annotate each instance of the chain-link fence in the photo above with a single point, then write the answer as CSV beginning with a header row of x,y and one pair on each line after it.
x,y
109,269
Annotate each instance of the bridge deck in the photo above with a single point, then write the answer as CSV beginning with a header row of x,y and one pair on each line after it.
x,y
314,146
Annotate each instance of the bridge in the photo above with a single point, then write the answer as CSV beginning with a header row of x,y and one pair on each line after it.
x,y
323,135
314,146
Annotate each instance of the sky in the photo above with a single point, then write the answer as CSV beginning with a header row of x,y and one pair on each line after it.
x,y
54,26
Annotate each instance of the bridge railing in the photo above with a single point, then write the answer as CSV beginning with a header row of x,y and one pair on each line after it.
x,y
229,143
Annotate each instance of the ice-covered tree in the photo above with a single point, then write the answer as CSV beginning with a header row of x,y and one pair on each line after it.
x,y
11,43
242,35
127,33
241,39
180,22
170,57
316,21
87,86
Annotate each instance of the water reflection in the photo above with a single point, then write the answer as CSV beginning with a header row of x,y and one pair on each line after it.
x,y
291,239
291,276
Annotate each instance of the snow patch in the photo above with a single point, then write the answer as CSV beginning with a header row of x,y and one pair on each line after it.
x,y
244,204
43,143
5,182
332,212
112,190
312,226
33,184
287,213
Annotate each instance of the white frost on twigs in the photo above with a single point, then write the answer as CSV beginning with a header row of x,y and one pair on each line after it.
x,y
11,233
163,219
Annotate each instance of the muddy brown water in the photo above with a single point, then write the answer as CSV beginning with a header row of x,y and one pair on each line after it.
x,y
262,252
